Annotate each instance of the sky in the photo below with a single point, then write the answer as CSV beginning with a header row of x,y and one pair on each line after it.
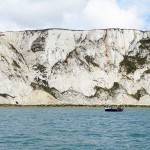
x,y
74,14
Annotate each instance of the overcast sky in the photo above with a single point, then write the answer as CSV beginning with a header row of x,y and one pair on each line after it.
x,y
74,14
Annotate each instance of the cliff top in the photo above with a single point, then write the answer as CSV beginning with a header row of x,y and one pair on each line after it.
x,y
73,29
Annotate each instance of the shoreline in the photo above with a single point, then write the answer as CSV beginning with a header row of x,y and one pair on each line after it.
x,y
67,105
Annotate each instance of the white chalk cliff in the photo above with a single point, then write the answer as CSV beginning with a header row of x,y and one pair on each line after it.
x,y
73,67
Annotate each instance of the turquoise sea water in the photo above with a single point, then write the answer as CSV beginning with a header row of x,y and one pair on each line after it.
x,y
48,128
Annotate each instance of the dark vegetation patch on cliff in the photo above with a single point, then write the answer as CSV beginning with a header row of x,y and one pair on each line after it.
x,y
110,92
128,63
39,67
38,44
41,81
6,95
90,60
132,63
147,71
139,94
38,86
145,44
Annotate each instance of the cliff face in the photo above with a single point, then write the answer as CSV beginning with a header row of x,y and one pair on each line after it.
x,y
57,66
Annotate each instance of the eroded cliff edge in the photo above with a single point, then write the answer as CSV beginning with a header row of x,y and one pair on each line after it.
x,y
57,66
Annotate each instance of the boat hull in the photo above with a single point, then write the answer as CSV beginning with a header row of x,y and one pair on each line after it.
x,y
114,109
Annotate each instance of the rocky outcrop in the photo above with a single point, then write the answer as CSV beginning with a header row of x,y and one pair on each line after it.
x,y
73,67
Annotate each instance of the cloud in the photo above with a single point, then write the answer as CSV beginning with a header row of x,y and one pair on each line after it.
x,y
108,14
74,14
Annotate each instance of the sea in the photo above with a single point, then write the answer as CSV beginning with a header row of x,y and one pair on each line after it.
x,y
74,128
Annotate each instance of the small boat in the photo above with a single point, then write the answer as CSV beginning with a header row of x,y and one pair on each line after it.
x,y
113,109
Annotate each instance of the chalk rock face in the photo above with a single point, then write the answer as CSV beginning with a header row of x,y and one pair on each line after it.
x,y
73,67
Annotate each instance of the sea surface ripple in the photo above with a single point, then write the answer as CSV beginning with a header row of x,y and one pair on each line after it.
x,y
74,128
